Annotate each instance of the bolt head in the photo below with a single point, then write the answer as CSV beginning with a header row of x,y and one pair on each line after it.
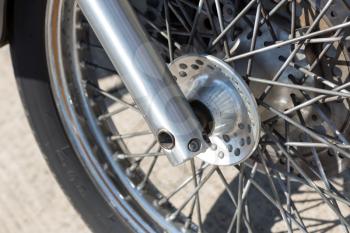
x,y
194,145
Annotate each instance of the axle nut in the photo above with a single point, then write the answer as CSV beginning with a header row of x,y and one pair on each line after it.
x,y
194,145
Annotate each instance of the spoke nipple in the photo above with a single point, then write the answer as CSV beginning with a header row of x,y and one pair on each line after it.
x,y
194,145
281,58
132,168
187,224
162,201
172,216
121,156
141,186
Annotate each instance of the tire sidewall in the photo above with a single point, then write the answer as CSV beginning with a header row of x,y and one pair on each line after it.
x,y
27,42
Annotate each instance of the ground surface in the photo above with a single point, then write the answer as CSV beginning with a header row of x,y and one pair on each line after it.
x,y
30,198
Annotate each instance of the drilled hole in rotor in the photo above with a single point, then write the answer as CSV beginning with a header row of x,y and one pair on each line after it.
x,y
207,24
194,66
250,34
268,43
183,66
199,62
182,74
249,140
166,139
330,153
204,116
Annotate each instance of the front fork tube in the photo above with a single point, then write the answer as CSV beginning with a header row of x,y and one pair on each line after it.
x,y
147,78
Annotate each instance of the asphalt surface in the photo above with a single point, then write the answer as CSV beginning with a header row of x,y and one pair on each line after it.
x,y
30,198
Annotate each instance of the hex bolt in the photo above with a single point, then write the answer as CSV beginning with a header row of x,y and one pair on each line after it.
x,y
194,145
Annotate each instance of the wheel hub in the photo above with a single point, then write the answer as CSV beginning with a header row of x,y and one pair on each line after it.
x,y
223,104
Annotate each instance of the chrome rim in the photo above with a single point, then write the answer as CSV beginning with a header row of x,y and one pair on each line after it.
x,y
294,57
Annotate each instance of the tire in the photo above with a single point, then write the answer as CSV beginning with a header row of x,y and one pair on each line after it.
x,y
29,61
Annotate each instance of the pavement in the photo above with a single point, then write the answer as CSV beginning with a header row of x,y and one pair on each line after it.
x,y
30,199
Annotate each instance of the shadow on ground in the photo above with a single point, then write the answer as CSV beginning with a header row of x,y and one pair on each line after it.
x,y
263,214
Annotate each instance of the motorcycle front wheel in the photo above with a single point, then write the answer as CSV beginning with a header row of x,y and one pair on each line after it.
x,y
111,166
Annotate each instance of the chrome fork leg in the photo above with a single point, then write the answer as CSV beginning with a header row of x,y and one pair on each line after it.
x,y
147,77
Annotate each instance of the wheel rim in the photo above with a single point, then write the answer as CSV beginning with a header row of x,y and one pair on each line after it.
x,y
150,208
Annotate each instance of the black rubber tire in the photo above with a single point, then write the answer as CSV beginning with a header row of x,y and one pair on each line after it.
x,y
27,40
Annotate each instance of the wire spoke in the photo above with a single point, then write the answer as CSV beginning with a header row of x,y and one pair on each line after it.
x,y
167,24
314,144
308,131
303,39
297,48
187,21
189,220
290,204
110,114
326,49
112,97
309,180
148,174
254,37
246,190
227,188
130,135
273,11
266,18
314,99
234,21
187,200
317,160
273,202
179,17
117,156
137,162
221,24
293,178
182,185
158,30
328,121
315,76
239,209
288,184
195,21
274,190
197,200
300,87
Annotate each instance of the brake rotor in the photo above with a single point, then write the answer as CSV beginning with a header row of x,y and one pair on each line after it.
x,y
223,104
